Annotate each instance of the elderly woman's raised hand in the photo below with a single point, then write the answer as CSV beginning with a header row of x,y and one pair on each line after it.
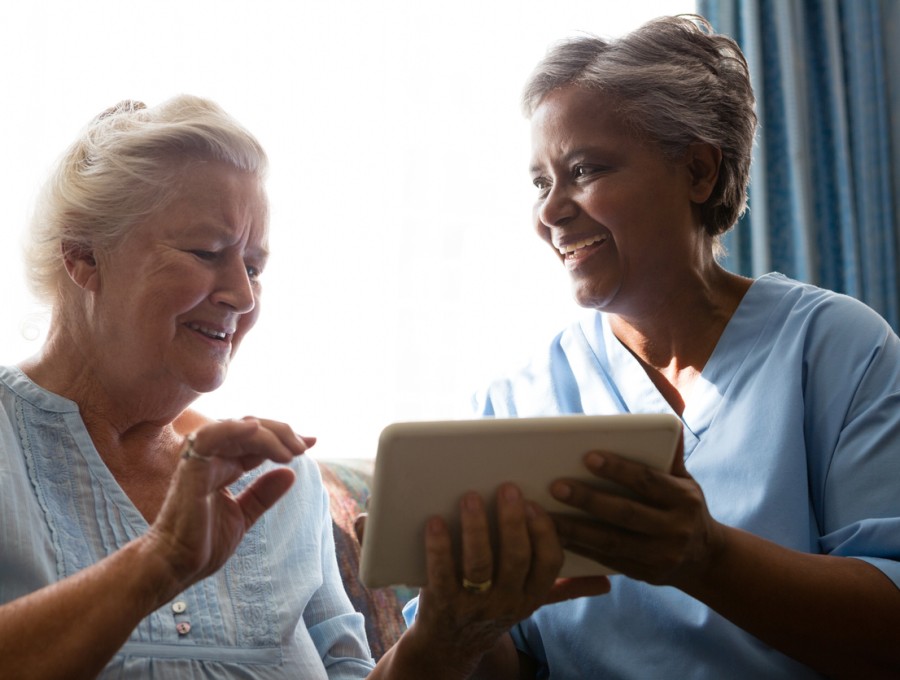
x,y
201,522
664,535
470,604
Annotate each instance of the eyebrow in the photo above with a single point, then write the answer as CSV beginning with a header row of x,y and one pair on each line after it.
x,y
217,231
209,229
573,154
259,253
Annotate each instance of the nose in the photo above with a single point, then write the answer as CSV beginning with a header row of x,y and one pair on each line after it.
x,y
557,208
235,288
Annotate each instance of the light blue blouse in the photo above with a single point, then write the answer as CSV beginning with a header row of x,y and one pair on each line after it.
x,y
277,609
792,431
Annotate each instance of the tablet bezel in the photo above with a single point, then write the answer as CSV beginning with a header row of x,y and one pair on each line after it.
x,y
424,468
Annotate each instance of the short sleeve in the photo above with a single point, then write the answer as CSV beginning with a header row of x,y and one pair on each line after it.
x,y
336,629
855,431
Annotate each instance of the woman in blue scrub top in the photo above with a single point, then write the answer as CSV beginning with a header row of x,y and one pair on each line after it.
x,y
772,548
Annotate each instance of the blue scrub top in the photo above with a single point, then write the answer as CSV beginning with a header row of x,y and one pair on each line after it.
x,y
793,433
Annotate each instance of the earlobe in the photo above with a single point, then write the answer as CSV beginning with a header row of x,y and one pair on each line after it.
x,y
703,162
81,265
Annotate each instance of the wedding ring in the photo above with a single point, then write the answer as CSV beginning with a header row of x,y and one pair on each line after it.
x,y
473,587
189,451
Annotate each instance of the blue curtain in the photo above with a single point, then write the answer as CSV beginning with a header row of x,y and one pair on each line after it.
x,y
825,181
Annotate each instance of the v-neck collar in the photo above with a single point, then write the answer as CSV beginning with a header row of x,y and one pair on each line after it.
x,y
635,391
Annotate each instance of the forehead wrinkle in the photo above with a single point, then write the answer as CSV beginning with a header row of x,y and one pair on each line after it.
x,y
564,151
565,132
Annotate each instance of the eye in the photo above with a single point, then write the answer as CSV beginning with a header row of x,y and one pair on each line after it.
x,y
205,255
254,272
542,184
581,171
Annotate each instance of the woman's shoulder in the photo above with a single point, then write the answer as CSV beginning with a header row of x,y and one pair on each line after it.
x,y
836,340
815,308
545,379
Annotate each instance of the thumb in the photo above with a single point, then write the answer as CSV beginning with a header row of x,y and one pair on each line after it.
x,y
264,492
582,586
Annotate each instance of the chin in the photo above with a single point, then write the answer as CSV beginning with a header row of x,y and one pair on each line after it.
x,y
593,299
209,382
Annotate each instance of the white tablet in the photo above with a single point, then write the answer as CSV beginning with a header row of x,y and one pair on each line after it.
x,y
423,469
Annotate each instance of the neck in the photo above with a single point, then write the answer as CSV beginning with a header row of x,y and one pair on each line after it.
x,y
674,335
115,414
137,427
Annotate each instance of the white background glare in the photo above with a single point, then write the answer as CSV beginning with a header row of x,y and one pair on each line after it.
x,y
405,274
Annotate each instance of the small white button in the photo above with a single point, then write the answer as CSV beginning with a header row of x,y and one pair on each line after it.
x,y
183,628
179,607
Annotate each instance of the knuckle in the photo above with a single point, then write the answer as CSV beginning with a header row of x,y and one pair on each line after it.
x,y
682,534
553,558
625,514
644,480
697,501
516,556
608,543
479,565
591,536
595,504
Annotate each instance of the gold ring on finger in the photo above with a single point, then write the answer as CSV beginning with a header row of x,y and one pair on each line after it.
x,y
474,587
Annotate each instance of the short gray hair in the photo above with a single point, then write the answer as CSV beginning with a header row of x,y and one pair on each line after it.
x,y
675,82
124,167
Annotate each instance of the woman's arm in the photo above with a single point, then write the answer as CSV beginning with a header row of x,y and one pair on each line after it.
x,y
71,629
411,658
838,615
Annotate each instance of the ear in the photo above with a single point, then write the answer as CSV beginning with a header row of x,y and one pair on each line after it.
x,y
703,162
81,265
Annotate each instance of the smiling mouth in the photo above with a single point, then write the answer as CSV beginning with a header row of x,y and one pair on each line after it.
x,y
573,251
208,332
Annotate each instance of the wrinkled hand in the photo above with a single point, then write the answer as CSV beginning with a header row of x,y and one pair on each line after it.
x,y
665,535
201,522
460,625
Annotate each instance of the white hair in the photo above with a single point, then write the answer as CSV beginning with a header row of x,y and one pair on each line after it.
x,y
125,166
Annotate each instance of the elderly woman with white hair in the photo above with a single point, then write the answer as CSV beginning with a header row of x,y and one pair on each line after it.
x,y
138,539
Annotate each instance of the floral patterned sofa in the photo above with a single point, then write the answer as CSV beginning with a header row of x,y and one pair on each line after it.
x,y
348,482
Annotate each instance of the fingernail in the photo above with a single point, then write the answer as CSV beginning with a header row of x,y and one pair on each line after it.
x,y
595,460
434,526
472,501
561,490
511,493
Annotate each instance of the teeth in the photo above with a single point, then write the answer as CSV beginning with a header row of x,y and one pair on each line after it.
x,y
572,247
219,335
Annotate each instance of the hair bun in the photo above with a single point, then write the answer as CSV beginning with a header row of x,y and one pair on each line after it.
x,y
124,106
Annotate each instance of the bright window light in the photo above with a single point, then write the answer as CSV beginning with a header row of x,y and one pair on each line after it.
x,y
405,273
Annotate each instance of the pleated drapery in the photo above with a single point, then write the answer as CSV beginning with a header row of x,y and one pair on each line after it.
x,y
825,179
